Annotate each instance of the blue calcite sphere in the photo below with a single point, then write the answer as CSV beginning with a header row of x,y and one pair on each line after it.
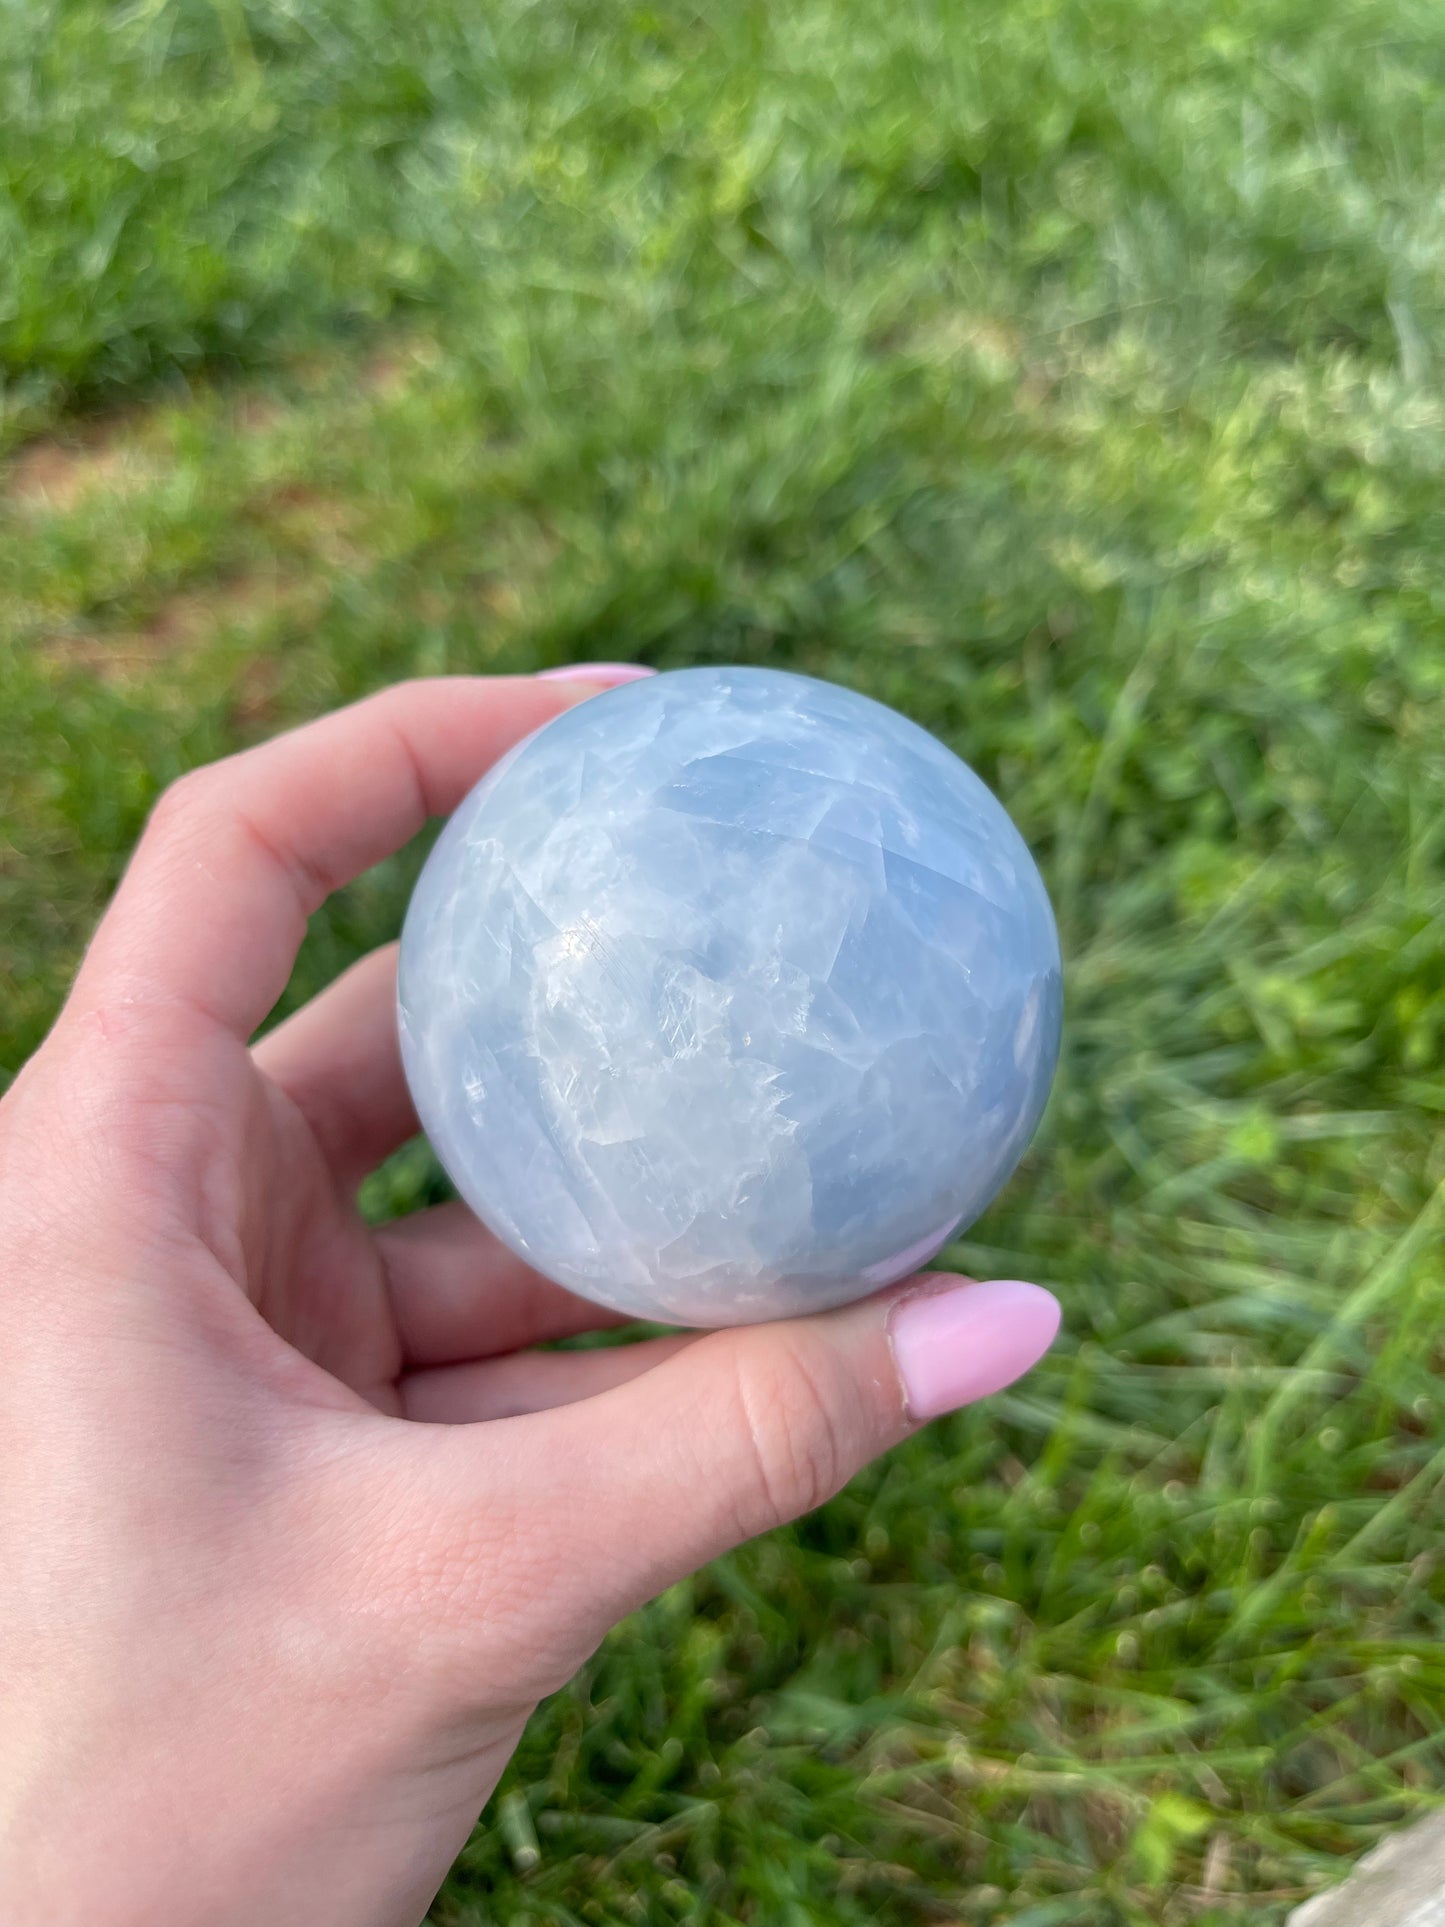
x,y
729,994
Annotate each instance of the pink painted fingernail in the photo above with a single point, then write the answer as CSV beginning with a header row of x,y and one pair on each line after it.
x,y
607,675
954,1346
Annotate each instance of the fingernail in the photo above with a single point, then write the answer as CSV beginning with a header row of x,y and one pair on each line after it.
x,y
607,675
954,1346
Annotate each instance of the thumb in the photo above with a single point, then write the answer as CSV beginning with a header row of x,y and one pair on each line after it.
x,y
748,1428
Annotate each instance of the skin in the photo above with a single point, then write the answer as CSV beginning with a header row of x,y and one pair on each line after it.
x,y
268,1640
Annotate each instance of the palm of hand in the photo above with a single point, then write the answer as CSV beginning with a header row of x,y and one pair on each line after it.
x,y
234,1480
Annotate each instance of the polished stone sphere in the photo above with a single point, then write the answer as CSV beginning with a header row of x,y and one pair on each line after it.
x,y
729,994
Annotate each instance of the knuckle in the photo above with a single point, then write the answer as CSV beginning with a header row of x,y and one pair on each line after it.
x,y
228,800
789,1420
181,803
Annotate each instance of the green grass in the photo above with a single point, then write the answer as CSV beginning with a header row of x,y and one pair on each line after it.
x,y
1067,374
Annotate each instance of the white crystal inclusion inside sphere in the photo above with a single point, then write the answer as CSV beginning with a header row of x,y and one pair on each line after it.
x,y
729,994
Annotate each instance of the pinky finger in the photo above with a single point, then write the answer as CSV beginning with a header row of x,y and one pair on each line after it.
x,y
491,1388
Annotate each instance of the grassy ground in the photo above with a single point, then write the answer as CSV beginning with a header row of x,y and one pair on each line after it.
x,y
1066,372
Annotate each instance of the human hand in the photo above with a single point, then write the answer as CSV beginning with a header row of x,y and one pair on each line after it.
x,y
267,1642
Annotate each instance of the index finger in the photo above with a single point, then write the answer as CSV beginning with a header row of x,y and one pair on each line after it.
x,y
238,854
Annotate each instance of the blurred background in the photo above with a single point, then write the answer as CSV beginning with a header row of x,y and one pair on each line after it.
x,y
1066,373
